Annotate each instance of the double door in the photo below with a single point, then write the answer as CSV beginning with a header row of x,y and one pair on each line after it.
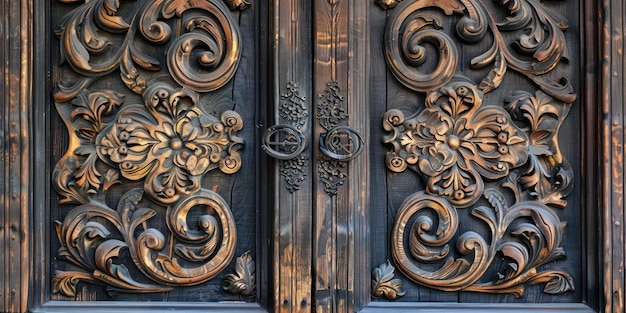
x,y
322,155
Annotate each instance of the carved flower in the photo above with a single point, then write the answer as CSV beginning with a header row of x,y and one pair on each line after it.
x,y
170,143
455,143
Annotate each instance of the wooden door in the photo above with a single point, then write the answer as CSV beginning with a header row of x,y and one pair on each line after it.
x,y
315,155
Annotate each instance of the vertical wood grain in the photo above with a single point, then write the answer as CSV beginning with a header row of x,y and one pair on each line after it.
x,y
16,81
612,100
292,239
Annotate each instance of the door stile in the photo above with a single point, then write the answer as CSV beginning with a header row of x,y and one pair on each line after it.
x,y
291,192
15,166
342,181
612,153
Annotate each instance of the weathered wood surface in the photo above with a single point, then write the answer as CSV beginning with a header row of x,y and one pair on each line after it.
x,y
611,155
16,51
292,233
292,227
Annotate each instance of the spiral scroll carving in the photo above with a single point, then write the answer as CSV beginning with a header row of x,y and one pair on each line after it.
x,y
171,231
499,158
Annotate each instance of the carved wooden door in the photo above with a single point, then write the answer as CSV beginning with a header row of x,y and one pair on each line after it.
x,y
315,155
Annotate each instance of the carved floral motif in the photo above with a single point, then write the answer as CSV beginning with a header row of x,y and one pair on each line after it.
x,y
454,142
172,231
170,143
472,150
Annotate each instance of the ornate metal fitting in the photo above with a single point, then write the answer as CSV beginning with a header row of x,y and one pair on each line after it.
x,y
283,142
286,142
339,143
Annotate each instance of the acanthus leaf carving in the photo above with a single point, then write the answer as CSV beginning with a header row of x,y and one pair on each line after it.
x,y
213,38
243,280
466,146
384,284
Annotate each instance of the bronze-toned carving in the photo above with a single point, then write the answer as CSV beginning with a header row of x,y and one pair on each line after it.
x,y
203,57
383,283
542,40
237,4
166,144
243,281
387,4
170,143
467,146
88,240
455,142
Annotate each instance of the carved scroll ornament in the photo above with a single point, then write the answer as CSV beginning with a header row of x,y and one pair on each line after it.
x,y
170,231
498,158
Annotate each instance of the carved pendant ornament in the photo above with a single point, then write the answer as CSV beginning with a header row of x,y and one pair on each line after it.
x,y
499,158
162,146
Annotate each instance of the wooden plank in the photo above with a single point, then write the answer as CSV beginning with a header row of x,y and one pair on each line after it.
x,y
358,102
17,56
612,99
291,53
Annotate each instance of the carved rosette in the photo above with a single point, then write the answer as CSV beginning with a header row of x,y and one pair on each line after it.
x,y
165,144
499,158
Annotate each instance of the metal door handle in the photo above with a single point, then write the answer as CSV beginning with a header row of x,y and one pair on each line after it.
x,y
283,142
341,143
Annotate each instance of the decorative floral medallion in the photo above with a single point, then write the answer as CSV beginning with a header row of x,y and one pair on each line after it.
x,y
454,142
170,142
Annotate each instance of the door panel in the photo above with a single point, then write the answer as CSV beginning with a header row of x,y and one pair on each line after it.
x,y
155,107
473,194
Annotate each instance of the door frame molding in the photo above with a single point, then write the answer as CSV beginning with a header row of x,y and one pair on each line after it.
x,y
26,93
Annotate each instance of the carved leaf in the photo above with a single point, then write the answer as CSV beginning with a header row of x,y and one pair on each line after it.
x,y
559,283
383,283
243,281
65,282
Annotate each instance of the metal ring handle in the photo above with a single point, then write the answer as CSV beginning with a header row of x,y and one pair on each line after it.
x,y
341,143
283,142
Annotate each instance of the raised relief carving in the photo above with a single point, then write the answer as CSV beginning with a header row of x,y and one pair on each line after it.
x,y
243,281
455,142
497,157
384,284
171,230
